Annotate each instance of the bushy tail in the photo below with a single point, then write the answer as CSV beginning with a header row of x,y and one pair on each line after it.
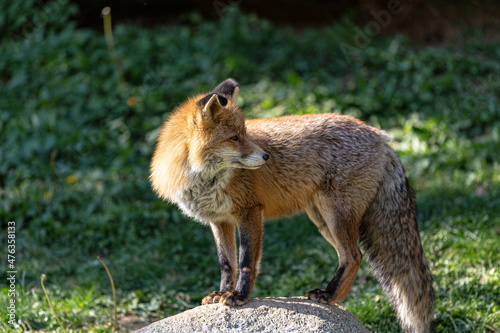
x,y
390,240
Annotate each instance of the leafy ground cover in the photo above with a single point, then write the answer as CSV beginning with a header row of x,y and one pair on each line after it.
x,y
77,131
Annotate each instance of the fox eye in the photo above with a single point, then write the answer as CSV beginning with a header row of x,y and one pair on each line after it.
x,y
235,138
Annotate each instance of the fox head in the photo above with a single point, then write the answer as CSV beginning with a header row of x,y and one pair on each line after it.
x,y
219,134
206,134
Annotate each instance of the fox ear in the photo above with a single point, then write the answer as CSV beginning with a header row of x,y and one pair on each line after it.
x,y
228,88
211,105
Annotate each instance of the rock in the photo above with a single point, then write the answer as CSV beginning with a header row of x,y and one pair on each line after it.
x,y
273,314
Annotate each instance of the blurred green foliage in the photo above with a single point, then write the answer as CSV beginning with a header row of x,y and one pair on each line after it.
x,y
76,140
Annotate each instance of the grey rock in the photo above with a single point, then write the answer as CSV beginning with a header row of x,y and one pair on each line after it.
x,y
273,314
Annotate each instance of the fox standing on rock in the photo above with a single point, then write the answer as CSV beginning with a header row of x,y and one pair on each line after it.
x,y
229,172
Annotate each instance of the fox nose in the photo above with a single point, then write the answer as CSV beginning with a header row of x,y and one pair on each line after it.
x,y
265,156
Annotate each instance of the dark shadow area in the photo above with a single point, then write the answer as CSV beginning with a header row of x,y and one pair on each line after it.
x,y
427,22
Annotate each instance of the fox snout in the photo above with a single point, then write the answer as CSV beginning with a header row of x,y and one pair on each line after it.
x,y
254,160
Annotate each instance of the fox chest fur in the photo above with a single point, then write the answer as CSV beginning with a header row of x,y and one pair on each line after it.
x,y
206,199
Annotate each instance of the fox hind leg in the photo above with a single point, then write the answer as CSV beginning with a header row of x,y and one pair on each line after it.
x,y
340,228
317,218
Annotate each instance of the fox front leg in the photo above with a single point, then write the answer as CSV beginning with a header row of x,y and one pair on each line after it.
x,y
251,230
225,241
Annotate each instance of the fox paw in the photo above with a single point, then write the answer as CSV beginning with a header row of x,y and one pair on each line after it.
x,y
231,298
213,297
321,296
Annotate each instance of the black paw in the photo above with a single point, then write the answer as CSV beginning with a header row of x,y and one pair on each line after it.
x,y
231,298
320,295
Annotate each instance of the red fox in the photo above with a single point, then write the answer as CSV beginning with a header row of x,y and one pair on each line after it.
x,y
228,172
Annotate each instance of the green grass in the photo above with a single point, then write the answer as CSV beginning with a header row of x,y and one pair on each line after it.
x,y
74,163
